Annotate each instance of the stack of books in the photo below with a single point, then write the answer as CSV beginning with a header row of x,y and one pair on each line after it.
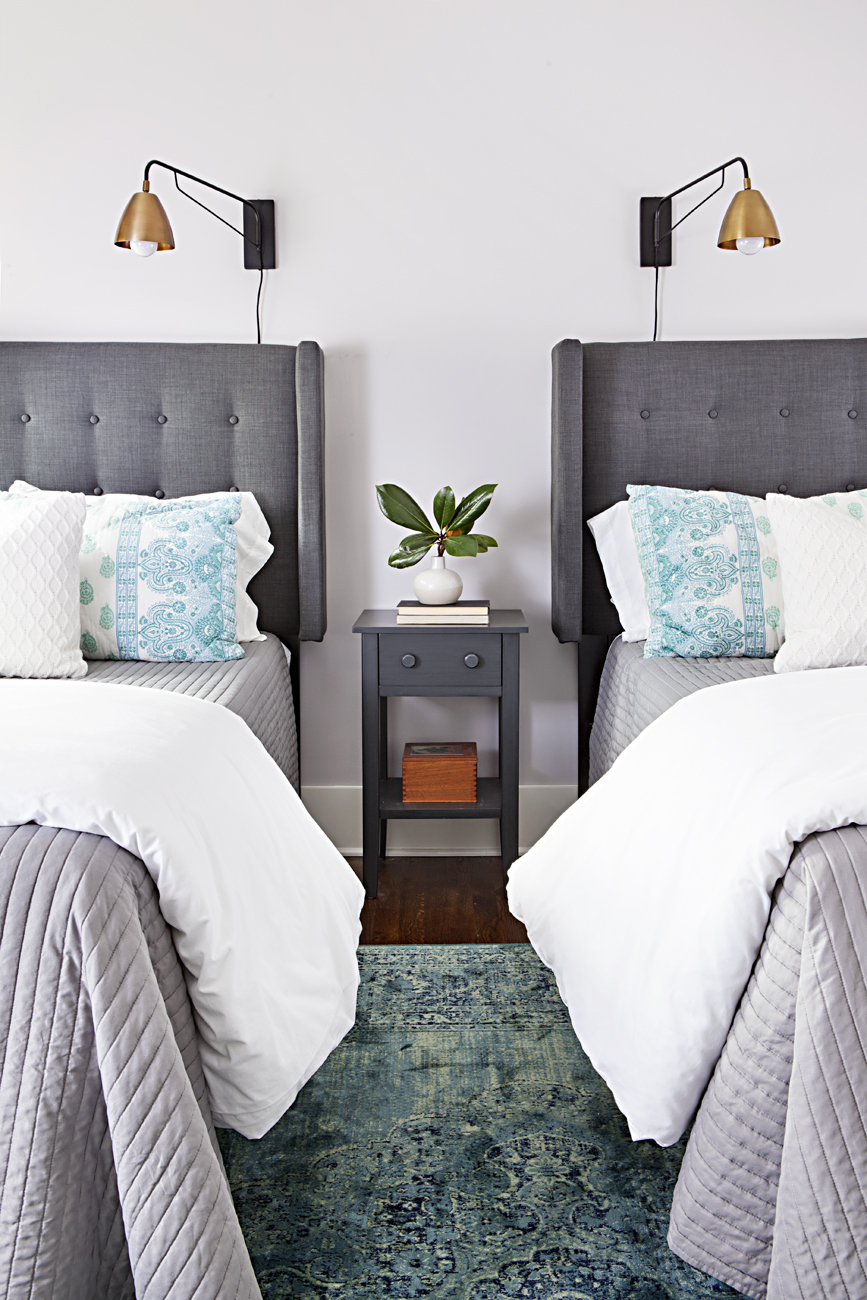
x,y
472,613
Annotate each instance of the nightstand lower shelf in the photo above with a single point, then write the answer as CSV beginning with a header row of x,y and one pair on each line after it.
x,y
489,802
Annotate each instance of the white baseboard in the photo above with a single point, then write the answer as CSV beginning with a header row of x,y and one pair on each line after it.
x,y
337,809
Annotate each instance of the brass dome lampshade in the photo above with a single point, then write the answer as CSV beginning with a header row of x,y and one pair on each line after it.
x,y
144,226
748,225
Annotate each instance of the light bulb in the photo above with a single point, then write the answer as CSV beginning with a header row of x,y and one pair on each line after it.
x,y
753,244
145,247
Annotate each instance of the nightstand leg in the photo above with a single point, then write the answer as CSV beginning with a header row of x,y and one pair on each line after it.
x,y
509,750
383,766
370,757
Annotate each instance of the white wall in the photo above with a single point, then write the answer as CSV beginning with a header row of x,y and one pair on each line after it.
x,y
457,186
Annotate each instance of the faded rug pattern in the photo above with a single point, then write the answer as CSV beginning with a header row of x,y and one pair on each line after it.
x,y
458,1145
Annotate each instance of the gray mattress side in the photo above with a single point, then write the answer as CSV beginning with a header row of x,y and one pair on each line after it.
x,y
634,691
258,688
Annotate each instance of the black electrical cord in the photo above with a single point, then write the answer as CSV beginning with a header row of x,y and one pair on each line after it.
x,y
259,299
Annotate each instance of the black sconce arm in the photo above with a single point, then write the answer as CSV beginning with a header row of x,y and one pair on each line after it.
x,y
176,172
657,237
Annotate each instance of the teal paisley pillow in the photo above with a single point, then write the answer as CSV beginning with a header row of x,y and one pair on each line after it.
x,y
711,573
158,579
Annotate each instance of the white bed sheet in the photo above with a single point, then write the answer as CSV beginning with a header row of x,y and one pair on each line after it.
x,y
264,910
649,897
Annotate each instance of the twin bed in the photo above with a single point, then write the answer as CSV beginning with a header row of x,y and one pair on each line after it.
x,y
183,836
712,876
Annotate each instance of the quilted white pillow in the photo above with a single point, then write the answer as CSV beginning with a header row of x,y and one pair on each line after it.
x,y
40,537
823,564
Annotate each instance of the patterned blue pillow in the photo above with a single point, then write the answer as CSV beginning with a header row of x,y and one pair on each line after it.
x,y
711,573
158,578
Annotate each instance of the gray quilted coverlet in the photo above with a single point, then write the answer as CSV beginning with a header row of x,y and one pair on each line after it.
x,y
112,1183
257,688
634,691
771,1194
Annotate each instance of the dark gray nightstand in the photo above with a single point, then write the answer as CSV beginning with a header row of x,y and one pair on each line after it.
x,y
437,661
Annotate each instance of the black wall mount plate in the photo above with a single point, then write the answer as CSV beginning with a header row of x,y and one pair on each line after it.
x,y
265,208
646,215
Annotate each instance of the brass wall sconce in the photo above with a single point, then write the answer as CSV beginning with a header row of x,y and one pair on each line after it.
x,y
144,227
747,227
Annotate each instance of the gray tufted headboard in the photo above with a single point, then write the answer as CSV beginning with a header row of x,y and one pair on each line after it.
x,y
750,417
179,418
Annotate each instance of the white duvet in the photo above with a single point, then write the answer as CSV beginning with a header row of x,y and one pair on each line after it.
x,y
264,910
649,897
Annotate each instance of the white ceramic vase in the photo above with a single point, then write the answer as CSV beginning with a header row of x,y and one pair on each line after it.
x,y
437,585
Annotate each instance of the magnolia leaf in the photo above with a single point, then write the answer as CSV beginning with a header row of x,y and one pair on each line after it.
x,y
473,507
462,546
405,557
399,507
484,542
444,507
415,540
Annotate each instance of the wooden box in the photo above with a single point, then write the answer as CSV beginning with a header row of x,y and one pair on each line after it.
x,y
440,773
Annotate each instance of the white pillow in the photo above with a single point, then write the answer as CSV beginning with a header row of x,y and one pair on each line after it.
x,y
251,540
618,551
823,563
40,538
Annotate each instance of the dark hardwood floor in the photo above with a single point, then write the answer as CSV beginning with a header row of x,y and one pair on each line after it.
x,y
439,900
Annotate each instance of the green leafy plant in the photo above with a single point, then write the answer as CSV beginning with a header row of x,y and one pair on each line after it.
x,y
453,534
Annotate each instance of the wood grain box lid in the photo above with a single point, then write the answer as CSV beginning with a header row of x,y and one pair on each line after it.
x,y
440,773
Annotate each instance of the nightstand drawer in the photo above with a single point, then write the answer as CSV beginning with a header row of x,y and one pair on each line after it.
x,y
440,659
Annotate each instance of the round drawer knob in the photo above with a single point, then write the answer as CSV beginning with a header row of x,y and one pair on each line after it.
x,y
408,661
472,661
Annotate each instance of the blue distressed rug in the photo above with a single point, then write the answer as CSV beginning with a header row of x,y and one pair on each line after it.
x,y
458,1144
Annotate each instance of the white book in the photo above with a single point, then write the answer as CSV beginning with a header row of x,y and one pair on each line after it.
x,y
410,620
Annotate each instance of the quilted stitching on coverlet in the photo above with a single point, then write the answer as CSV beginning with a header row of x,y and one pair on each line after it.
x,y
108,1157
795,1184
